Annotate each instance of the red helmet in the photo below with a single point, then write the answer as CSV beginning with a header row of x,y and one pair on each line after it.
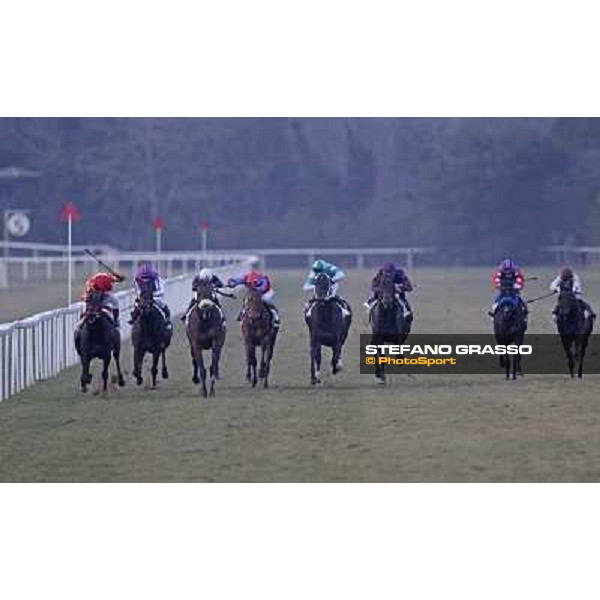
x,y
102,282
254,279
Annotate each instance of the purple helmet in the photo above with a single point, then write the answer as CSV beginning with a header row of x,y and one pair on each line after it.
x,y
388,267
146,271
508,265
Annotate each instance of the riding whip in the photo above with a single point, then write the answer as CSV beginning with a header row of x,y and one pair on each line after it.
x,y
104,265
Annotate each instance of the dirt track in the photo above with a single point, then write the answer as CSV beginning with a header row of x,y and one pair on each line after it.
x,y
420,428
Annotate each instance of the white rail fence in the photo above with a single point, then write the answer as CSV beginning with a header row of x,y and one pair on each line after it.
x,y
41,346
583,255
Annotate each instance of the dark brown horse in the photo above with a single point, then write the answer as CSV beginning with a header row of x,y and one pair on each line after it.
x,y
258,331
388,324
327,327
206,330
150,334
575,325
98,337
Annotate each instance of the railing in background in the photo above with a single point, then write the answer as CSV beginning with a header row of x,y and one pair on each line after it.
x,y
581,255
20,270
408,254
41,346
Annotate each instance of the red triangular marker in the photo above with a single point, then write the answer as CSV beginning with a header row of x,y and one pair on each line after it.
x,y
158,224
70,212
204,225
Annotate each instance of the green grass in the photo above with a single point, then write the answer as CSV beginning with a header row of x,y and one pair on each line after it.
x,y
419,428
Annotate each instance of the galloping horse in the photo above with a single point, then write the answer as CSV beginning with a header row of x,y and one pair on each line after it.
x,y
509,328
98,337
150,334
258,331
206,330
327,326
574,327
387,319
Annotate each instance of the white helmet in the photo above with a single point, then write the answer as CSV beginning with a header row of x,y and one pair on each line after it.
x,y
205,274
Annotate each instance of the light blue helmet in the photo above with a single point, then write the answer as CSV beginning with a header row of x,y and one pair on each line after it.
x,y
319,266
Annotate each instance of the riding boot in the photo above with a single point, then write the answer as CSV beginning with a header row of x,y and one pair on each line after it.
x,y
344,305
407,310
368,303
187,310
275,313
588,308
167,311
135,313
308,306
116,317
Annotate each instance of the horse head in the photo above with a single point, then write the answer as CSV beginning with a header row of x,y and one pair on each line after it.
x,y
323,286
254,308
568,307
94,306
146,300
386,290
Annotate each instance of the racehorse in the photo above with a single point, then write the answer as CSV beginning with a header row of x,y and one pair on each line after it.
x,y
206,330
327,327
258,331
509,328
574,327
386,316
98,337
150,334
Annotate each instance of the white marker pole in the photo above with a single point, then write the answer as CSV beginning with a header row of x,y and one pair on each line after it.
x,y
204,239
70,265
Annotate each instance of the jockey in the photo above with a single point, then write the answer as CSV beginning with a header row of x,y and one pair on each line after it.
x,y
103,283
205,275
336,275
567,279
401,282
258,281
147,275
509,280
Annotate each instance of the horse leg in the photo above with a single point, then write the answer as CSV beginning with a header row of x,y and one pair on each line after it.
x,y
248,347
154,368
252,362
85,374
199,360
316,363
116,351
582,350
165,371
195,378
105,365
138,358
214,366
567,347
267,356
335,357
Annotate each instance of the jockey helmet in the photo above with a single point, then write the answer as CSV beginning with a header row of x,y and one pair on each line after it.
x,y
146,271
566,273
101,282
206,274
388,267
318,266
254,279
508,265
